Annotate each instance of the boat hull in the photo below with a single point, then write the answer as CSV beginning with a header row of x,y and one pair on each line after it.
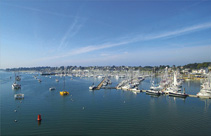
x,y
64,93
19,96
178,95
153,93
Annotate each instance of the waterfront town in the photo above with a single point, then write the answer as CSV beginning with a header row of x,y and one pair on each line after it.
x,y
189,71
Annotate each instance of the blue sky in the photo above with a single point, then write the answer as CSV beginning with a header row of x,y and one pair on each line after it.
x,y
87,33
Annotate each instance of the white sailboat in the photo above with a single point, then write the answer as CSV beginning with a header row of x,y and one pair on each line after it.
x,y
205,91
155,89
175,86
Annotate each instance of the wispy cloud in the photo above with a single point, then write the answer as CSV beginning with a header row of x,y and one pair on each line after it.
x,y
128,40
71,31
179,31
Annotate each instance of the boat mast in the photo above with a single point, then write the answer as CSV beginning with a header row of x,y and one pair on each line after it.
x,y
15,77
64,80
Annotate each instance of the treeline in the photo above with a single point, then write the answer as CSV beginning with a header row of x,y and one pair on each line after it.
x,y
30,68
197,65
147,68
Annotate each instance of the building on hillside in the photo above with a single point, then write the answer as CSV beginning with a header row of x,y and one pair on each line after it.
x,y
209,68
186,71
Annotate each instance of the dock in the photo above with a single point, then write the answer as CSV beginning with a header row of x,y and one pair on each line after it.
x,y
189,95
100,84
192,96
108,87
119,88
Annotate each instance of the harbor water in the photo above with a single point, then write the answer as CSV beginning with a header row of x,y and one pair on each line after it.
x,y
100,112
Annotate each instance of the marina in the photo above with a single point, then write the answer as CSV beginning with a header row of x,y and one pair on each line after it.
x,y
105,68
99,108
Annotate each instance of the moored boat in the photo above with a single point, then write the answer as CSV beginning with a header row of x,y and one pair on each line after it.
x,y
52,88
64,93
178,94
92,87
205,91
19,96
153,92
16,86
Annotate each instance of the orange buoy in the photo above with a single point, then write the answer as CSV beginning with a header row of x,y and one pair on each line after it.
x,y
39,117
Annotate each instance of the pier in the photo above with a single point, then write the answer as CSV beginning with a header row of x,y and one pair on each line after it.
x,y
118,87
107,87
189,95
100,84
104,87
192,96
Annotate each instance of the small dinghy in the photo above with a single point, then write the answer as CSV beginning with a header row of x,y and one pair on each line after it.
x,y
52,88
19,96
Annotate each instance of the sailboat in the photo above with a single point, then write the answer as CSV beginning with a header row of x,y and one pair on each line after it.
x,y
175,86
64,92
205,91
154,90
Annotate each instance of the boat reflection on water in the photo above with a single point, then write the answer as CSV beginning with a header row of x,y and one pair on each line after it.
x,y
176,98
207,103
155,96
39,122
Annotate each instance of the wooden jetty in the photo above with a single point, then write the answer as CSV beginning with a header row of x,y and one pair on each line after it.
x,y
100,84
189,95
192,96
108,87
143,90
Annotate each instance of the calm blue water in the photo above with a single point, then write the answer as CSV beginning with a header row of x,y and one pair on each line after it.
x,y
105,112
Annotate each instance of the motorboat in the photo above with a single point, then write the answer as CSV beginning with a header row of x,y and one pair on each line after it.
x,y
153,92
19,96
17,78
204,94
172,89
156,87
16,86
135,90
178,94
205,91
127,87
105,83
92,87
52,88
